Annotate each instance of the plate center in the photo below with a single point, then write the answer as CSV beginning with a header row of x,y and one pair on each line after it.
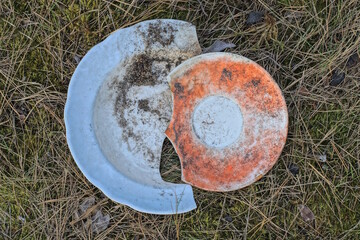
x,y
217,121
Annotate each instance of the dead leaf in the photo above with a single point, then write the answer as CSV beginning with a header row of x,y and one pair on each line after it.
x,y
255,17
303,91
218,46
89,207
353,60
306,214
228,218
87,203
337,78
294,169
99,222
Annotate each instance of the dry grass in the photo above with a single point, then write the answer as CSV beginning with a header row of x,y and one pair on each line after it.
x,y
300,43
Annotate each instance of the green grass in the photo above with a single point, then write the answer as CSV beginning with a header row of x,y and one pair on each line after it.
x,y
300,43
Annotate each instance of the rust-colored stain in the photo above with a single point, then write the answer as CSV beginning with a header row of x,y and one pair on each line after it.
x,y
264,115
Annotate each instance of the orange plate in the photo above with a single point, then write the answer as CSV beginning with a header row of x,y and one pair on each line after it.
x,y
229,122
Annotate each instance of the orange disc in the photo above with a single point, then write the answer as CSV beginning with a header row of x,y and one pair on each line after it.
x,y
229,122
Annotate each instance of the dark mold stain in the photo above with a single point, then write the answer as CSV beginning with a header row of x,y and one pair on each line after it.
x,y
168,67
184,165
226,75
146,69
256,82
175,134
149,68
179,88
157,112
161,33
144,105
208,123
178,61
139,73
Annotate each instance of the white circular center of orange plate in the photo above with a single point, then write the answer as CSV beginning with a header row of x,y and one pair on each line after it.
x,y
217,121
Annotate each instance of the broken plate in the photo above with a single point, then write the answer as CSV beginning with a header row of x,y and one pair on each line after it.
x,y
229,121
118,108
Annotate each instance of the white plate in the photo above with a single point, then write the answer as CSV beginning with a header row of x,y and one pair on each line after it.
x,y
118,107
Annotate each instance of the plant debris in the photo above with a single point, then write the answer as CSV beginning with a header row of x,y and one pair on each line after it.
x,y
337,78
218,46
294,169
86,204
99,222
353,60
228,218
306,214
255,17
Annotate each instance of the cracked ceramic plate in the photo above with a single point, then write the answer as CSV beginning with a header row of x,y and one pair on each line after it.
x,y
118,108
229,121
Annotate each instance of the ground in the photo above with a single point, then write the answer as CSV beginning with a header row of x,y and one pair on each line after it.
x,y
309,47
